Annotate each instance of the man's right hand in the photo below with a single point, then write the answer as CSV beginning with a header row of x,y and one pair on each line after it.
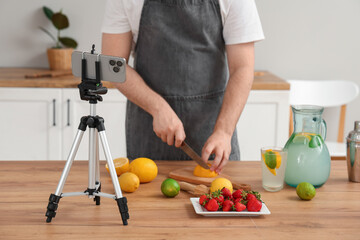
x,y
168,126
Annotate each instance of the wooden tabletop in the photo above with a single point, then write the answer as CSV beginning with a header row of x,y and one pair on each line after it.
x,y
25,188
15,77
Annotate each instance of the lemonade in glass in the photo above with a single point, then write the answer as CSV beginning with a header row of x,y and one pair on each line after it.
x,y
273,162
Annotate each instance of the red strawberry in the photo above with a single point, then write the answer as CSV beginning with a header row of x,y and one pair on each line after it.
x,y
227,205
237,200
254,205
203,199
212,205
237,193
218,197
239,207
226,192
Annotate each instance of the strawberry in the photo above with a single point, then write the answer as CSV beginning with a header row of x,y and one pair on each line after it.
x,y
254,205
237,193
212,205
225,192
218,197
239,207
203,199
227,205
237,200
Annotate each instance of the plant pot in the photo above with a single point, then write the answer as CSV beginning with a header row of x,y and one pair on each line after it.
x,y
59,58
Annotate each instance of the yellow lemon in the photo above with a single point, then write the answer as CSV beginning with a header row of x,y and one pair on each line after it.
x,y
121,165
199,171
129,182
220,183
144,168
278,159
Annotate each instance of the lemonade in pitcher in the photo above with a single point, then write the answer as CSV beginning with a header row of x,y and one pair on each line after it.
x,y
308,157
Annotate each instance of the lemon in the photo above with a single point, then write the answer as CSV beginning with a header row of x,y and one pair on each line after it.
x,y
302,138
305,191
144,168
121,165
199,171
220,183
129,182
170,187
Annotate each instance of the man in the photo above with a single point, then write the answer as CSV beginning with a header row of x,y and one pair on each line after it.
x,y
193,71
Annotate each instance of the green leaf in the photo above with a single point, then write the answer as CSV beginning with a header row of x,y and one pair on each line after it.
x,y
68,42
60,21
48,12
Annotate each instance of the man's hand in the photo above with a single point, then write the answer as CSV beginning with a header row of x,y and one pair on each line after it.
x,y
168,126
219,143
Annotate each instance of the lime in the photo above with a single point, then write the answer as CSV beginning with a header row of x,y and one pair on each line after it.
x,y
315,142
170,187
305,191
270,159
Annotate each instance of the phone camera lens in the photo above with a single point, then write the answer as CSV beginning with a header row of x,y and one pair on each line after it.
x,y
116,69
119,63
112,62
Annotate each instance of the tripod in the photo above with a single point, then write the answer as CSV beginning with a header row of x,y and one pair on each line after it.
x,y
90,90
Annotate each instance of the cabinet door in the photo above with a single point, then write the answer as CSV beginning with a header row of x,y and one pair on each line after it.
x,y
263,123
30,124
112,109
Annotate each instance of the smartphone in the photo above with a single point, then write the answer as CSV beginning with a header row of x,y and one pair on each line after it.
x,y
112,68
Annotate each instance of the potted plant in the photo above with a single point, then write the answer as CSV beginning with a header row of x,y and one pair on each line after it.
x,y
59,56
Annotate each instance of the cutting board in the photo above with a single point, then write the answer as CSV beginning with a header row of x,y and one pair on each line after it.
x,y
186,175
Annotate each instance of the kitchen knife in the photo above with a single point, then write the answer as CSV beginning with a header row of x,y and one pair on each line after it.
x,y
193,155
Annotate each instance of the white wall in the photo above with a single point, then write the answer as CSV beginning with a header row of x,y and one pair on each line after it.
x,y
305,39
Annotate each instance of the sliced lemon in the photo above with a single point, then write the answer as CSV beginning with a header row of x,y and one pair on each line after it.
x,y
302,138
121,165
273,171
278,159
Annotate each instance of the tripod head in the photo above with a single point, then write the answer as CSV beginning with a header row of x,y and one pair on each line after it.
x,y
91,89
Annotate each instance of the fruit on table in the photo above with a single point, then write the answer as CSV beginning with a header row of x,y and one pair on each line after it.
x,y
129,182
305,191
272,160
220,183
145,168
121,165
199,171
170,187
215,201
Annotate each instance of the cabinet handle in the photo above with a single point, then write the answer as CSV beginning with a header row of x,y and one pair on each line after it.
x,y
68,112
54,112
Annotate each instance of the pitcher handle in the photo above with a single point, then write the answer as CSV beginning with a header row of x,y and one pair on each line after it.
x,y
323,129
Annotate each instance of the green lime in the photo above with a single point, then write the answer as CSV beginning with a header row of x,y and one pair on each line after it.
x,y
270,159
305,191
170,187
315,142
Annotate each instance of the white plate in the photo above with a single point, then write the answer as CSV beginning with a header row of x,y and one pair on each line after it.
x,y
202,211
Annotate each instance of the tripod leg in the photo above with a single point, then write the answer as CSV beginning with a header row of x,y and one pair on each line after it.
x,y
55,198
121,201
92,161
97,168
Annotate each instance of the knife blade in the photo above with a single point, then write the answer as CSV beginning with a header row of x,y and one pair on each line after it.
x,y
193,155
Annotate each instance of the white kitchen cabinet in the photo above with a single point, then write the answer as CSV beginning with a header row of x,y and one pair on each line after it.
x,y
264,122
30,123
41,123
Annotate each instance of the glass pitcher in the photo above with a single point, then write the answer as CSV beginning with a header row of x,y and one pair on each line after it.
x,y
308,157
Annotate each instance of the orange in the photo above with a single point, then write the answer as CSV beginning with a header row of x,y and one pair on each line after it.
x,y
199,171
144,168
121,165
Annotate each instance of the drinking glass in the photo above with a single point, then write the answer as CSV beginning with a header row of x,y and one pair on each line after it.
x,y
273,162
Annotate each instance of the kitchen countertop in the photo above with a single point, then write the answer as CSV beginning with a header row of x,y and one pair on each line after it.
x,y
15,77
334,213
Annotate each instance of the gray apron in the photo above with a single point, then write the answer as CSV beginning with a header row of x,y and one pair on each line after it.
x,y
180,54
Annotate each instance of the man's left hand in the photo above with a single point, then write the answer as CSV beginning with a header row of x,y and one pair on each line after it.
x,y
219,143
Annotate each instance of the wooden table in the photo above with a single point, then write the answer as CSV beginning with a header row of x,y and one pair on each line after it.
x,y
15,77
25,187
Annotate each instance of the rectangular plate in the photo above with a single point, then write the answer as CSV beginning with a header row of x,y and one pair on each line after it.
x,y
202,211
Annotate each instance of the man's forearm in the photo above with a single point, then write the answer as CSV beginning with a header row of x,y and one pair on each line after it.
x,y
138,92
236,94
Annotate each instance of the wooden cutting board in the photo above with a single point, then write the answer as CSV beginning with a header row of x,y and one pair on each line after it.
x,y
186,175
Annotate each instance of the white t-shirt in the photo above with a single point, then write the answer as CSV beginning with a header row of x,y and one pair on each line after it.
x,y
240,19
